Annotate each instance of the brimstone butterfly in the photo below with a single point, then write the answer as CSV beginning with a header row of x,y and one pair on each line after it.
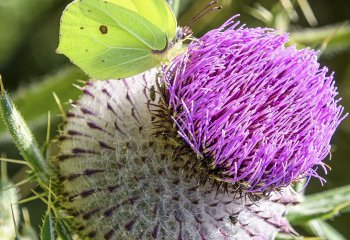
x,y
117,38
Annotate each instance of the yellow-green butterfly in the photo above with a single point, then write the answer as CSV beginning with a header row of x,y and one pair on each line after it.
x,y
117,38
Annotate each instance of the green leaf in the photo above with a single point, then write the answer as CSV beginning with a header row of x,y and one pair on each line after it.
x,y
330,39
308,13
282,236
63,230
323,205
324,230
34,109
23,137
175,5
260,13
281,19
47,228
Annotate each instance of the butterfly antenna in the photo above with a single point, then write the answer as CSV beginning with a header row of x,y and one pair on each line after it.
x,y
207,9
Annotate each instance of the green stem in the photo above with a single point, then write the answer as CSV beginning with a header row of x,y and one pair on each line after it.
x,y
23,137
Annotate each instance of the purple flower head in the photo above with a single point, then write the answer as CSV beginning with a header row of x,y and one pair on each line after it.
x,y
254,111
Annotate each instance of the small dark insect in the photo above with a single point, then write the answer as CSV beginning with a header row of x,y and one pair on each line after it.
x,y
254,198
103,29
244,185
152,93
267,193
233,218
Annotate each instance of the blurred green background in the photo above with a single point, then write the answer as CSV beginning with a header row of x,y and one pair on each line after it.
x,y
31,70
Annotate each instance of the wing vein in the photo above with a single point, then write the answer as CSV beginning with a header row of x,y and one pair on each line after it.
x,y
129,30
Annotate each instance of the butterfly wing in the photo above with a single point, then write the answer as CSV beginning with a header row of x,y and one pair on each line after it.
x,y
108,40
157,12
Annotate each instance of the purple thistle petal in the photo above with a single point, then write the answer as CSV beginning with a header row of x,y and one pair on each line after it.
x,y
262,112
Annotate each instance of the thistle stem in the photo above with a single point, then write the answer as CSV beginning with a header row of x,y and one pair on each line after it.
x,y
23,138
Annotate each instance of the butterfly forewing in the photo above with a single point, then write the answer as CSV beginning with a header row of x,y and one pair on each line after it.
x,y
108,40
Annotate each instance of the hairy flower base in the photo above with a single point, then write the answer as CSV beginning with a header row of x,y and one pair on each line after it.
x,y
119,181
257,114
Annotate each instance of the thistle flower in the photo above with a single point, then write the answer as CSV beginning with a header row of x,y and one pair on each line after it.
x,y
119,181
259,115
238,108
